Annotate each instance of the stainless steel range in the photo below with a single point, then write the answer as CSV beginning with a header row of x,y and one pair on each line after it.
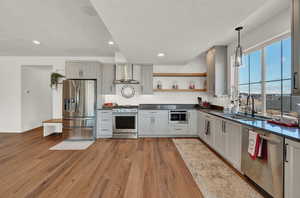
x,y
125,122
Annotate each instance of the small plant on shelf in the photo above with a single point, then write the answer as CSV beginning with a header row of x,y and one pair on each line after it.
x,y
55,79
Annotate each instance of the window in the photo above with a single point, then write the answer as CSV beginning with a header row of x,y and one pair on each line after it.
x,y
266,75
250,79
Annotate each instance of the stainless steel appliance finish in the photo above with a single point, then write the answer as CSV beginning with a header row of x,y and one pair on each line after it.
x,y
124,74
178,117
125,122
268,174
79,104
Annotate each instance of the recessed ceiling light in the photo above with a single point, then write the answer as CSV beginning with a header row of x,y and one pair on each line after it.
x,y
161,54
36,42
111,42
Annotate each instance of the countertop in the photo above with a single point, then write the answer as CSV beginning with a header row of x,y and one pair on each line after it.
x,y
292,133
166,106
288,132
157,107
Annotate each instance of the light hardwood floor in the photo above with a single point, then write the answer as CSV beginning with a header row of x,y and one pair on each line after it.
x,y
143,168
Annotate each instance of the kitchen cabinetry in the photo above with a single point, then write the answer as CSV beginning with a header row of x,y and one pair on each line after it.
x,y
292,173
220,136
153,122
233,143
104,124
147,79
295,31
223,136
216,59
201,125
156,123
193,117
206,129
82,69
108,77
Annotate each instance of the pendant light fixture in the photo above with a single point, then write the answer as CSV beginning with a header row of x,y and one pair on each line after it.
x,y
239,50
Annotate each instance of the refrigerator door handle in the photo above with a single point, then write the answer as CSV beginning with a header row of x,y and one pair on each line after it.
x,y
65,104
76,99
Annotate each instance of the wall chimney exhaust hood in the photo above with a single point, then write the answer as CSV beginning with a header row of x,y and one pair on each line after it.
x,y
124,74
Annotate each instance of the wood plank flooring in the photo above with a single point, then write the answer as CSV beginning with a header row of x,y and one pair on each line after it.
x,y
143,168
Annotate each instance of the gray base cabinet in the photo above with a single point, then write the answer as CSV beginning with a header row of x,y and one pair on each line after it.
x,y
223,136
292,173
155,123
220,136
233,144
104,124
206,128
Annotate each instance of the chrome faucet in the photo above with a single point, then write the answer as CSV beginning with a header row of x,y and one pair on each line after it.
x,y
252,105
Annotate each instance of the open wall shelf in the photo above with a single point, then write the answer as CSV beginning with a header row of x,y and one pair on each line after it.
x,y
179,74
180,90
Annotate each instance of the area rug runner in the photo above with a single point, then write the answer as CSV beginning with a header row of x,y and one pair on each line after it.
x,y
72,145
214,178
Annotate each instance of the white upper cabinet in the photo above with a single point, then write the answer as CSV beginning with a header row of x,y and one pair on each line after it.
x,y
146,79
292,173
82,69
108,77
216,59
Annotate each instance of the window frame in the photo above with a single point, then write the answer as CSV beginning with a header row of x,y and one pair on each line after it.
x,y
264,81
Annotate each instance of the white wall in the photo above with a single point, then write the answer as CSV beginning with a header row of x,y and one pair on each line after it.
x,y
10,97
197,65
10,87
36,96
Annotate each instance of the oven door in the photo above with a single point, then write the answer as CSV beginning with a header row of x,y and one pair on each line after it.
x,y
125,123
178,117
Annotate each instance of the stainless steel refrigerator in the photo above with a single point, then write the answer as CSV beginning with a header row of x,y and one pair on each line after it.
x,y
79,109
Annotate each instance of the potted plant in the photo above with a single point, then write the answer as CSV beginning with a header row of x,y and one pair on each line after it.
x,y
55,77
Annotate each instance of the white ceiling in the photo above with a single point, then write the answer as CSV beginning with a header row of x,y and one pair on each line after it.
x,y
64,28
181,29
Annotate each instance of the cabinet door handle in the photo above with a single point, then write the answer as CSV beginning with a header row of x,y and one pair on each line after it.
x,y
294,80
207,128
80,73
285,153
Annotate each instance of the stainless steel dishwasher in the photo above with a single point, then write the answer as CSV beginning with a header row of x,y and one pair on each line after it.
x,y
268,174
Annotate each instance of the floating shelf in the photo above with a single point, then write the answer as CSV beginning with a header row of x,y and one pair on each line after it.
x,y
179,74
180,90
